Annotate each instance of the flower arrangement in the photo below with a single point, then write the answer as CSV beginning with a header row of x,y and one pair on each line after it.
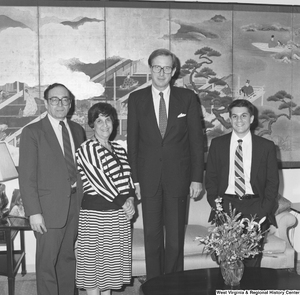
x,y
232,238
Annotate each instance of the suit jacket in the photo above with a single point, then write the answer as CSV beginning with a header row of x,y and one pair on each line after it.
x,y
264,177
44,179
178,157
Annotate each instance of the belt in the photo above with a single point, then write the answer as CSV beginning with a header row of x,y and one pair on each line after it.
x,y
246,196
73,190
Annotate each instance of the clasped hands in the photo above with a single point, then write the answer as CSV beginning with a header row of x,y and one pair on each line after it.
x,y
128,208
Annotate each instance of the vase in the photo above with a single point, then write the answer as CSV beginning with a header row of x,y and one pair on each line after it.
x,y
232,272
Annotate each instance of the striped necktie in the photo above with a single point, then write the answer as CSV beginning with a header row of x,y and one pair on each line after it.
x,y
239,171
163,119
68,153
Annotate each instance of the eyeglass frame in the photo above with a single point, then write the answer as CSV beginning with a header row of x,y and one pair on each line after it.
x,y
60,100
161,68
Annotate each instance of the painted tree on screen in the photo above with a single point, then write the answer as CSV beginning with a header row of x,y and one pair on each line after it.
x,y
210,98
268,117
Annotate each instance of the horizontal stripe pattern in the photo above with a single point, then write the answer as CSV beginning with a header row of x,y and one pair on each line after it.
x,y
103,172
103,250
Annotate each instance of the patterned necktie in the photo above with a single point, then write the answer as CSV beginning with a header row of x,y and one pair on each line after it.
x,y
239,171
162,115
68,153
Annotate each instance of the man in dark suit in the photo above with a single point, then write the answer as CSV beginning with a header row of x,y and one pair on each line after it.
x,y
52,193
256,194
247,90
165,149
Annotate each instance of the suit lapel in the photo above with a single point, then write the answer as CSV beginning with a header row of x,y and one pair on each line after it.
x,y
74,135
174,109
226,158
52,140
149,112
256,156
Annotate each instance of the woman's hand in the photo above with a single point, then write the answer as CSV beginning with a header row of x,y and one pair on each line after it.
x,y
128,208
137,190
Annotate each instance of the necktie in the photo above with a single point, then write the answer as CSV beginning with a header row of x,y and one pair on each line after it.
x,y
162,115
239,170
68,153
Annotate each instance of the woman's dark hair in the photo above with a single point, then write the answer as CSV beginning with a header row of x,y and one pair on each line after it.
x,y
104,109
46,92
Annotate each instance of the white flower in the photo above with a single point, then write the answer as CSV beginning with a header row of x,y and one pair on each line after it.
x,y
232,238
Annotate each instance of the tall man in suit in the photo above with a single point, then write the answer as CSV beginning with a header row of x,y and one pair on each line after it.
x,y
256,194
52,193
165,149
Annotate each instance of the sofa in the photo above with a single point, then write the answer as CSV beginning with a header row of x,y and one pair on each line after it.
x,y
278,252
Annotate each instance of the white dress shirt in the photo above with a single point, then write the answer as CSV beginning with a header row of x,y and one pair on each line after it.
x,y
247,161
156,100
58,132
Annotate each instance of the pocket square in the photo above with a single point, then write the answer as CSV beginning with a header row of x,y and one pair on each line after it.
x,y
181,115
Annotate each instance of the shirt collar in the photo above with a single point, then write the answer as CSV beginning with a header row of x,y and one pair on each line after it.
x,y
156,92
55,122
246,138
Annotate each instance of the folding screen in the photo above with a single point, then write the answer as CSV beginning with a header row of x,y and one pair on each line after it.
x,y
100,50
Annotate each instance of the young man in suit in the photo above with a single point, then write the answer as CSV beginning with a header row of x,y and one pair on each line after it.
x,y
51,191
254,192
165,150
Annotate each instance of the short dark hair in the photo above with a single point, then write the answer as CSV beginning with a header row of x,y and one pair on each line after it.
x,y
242,103
160,52
104,109
51,86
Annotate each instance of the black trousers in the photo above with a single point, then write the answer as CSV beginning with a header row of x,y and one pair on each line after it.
x,y
164,218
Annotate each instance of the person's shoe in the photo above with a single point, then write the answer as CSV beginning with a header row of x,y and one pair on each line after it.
x,y
142,279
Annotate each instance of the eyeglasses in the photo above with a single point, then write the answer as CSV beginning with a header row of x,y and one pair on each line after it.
x,y
166,69
54,101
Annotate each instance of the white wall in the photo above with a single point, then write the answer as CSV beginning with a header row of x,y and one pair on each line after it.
x,y
290,184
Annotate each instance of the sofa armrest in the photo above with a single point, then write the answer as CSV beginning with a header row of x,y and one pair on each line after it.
x,y
285,220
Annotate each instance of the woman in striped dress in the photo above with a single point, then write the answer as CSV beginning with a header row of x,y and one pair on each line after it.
x,y
104,233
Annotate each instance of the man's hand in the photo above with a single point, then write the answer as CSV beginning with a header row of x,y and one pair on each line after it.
x,y
137,190
37,223
195,189
128,208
